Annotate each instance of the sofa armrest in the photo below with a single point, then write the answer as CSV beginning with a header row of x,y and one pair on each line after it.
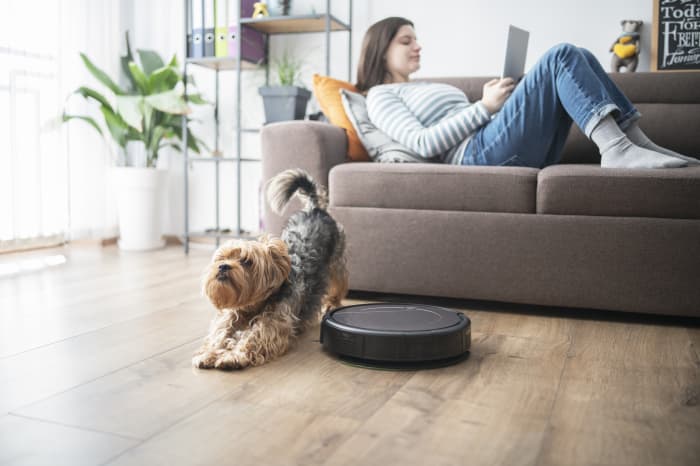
x,y
313,146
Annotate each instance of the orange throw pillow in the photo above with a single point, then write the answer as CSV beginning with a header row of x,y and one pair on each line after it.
x,y
327,92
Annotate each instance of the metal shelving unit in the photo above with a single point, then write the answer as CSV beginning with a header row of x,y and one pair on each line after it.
x,y
271,25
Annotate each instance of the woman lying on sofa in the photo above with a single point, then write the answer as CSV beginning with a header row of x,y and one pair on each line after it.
x,y
523,125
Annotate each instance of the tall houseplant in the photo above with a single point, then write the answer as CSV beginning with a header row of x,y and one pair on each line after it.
x,y
288,100
147,113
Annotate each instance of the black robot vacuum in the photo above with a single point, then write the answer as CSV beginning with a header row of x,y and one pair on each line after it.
x,y
397,335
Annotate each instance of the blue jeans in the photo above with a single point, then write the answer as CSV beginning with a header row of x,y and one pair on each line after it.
x,y
566,85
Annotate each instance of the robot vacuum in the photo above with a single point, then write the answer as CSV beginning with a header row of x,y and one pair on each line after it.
x,y
397,336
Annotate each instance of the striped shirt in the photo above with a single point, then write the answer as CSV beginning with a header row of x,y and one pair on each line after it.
x,y
434,120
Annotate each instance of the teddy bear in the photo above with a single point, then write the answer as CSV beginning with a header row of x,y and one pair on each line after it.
x,y
625,49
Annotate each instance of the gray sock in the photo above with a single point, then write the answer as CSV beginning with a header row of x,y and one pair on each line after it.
x,y
617,151
637,136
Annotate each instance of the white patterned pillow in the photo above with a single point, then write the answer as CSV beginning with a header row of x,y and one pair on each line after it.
x,y
380,147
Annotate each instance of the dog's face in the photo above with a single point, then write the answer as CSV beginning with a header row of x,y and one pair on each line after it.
x,y
243,273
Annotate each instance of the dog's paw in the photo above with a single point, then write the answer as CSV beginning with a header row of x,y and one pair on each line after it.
x,y
232,361
204,360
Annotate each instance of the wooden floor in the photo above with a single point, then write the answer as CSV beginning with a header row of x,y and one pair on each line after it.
x,y
95,369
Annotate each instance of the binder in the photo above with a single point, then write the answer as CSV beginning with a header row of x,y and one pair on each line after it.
x,y
188,12
232,21
197,28
209,28
221,29
252,41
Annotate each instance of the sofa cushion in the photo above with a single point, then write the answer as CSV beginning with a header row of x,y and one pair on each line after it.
x,y
434,187
327,93
592,190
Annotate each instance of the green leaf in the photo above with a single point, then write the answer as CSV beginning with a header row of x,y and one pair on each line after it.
x,y
131,110
129,57
150,61
128,47
101,75
148,112
193,144
191,81
197,99
133,135
118,128
89,120
140,78
156,137
173,62
174,145
131,87
169,102
86,92
163,79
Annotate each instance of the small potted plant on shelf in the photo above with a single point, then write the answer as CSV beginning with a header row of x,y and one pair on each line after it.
x,y
288,100
142,118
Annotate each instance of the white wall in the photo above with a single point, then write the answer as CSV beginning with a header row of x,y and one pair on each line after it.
x,y
459,38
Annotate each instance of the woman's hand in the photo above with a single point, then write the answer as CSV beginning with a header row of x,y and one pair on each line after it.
x,y
496,92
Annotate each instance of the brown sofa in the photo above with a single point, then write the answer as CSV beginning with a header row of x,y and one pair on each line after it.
x,y
573,234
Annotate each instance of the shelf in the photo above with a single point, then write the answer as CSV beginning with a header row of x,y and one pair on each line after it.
x,y
220,159
222,63
232,235
270,25
294,24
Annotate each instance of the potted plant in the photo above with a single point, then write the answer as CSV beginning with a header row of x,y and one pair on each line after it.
x,y
142,118
286,101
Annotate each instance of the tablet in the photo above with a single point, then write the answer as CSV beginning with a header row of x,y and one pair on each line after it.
x,y
516,53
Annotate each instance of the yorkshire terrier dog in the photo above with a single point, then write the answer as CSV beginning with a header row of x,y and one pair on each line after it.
x,y
267,291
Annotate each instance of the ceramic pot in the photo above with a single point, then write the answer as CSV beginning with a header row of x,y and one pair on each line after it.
x,y
139,207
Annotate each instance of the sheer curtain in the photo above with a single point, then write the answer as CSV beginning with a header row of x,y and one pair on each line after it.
x,y
54,183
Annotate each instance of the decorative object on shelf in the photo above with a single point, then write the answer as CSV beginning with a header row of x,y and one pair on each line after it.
x,y
286,101
285,5
625,49
279,7
145,116
674,39
260,10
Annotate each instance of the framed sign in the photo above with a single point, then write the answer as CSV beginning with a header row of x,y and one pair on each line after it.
x,y
675,42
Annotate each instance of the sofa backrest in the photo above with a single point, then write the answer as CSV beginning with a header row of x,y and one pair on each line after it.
x,y
669,103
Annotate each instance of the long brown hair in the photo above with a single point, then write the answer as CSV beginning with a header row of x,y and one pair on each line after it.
x,y
371,70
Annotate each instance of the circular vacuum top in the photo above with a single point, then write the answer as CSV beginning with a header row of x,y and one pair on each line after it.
x,y
402,318
402,335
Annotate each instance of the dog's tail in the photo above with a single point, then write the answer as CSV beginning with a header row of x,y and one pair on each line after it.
x,y
282,187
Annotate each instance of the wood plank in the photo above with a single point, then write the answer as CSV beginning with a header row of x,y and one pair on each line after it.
x,y
143,399
491,409
34,375
624,398
24,333
311,381
30,442
79,279
233,432
75,308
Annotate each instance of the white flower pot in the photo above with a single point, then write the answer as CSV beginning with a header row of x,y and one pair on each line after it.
x,y
139,207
